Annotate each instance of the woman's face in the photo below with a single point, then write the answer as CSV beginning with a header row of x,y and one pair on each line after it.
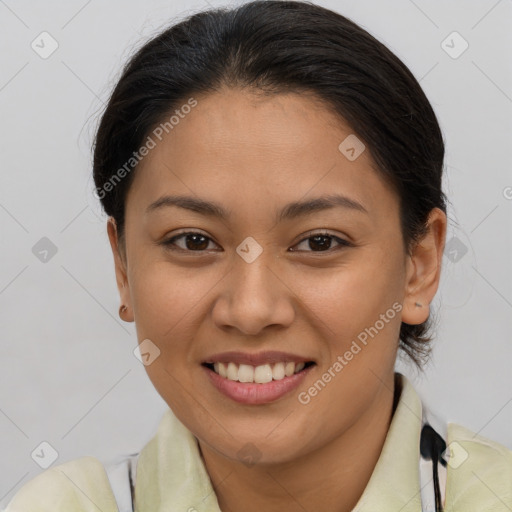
x,y
256,281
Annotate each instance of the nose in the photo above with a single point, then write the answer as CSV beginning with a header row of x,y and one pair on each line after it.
x,y
253,297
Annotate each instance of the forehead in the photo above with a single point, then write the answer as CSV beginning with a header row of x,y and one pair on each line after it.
x,y
245,149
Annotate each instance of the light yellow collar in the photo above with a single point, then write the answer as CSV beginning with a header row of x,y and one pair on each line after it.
x,y
394,484
171,474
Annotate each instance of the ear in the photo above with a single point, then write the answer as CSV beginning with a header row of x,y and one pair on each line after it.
x,y
424,270
120,268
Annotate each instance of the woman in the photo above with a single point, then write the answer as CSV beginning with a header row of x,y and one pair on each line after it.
x,y
272,176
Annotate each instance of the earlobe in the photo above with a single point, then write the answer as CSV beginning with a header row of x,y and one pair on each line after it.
x,y
424,270
125,310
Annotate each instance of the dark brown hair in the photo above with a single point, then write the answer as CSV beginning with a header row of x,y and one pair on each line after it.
x,y
282,46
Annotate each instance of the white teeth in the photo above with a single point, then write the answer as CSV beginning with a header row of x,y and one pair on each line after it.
x,y
232,372
223,370
289,369
278,371
299,367
262,374
245,373
259,374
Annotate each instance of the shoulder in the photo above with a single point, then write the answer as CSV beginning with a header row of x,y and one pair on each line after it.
x,y
74,486
479,472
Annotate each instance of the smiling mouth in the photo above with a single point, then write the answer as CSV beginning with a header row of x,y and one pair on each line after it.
x,y
261,374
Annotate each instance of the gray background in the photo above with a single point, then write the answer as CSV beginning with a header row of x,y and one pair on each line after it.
x,y
68,373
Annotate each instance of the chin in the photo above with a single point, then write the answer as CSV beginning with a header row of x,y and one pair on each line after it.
x,y
258,448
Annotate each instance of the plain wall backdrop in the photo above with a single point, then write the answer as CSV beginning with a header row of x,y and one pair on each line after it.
x,y
68,373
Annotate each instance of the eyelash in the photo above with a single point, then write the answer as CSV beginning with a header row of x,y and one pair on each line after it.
x,y
170,243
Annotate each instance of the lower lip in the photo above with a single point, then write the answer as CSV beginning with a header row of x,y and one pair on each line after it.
x,y
253,393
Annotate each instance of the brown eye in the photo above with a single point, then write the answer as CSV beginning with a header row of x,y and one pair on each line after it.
x,y
321,242
195,242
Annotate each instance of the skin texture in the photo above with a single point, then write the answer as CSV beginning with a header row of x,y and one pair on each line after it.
x,y
253,155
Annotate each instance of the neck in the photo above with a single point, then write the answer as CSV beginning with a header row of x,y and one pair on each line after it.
x,y
331,479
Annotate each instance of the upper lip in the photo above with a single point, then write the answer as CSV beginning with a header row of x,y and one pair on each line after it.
x,y
257,359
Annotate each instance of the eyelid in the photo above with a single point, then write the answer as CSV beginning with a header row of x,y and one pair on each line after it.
x,y
320,231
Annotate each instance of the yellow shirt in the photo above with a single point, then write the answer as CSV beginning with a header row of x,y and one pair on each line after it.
x,y
171,475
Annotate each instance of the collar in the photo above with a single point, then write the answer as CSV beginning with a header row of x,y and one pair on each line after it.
x,y
171,474
394,484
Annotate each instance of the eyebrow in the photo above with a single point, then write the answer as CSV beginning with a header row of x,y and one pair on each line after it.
x,y
288,212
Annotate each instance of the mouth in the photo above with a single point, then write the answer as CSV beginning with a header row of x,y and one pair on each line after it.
x,y
261,374
257,379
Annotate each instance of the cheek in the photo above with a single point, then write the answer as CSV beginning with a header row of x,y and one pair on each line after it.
x,y
167,300
343,301
166,296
